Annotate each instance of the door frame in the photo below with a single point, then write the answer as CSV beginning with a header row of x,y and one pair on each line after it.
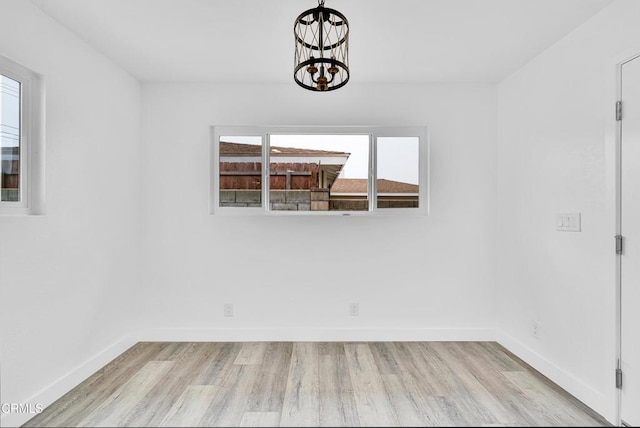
x,y
614,132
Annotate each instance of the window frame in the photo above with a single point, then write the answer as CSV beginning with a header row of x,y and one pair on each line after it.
x,y
373,132
31,140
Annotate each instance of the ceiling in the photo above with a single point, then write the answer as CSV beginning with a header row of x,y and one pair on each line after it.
x,y
391,41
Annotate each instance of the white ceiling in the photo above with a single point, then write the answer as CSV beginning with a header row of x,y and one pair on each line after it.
x,y
390,40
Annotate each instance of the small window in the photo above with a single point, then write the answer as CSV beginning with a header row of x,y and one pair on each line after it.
x,y
398,172
10,95
240,171
343,170
20,133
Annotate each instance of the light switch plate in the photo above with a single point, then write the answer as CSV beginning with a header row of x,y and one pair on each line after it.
x,y
568,222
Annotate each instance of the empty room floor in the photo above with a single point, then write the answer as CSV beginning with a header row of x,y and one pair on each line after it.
x,y
317,384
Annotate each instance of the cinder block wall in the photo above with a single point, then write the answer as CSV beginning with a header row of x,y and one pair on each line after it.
x,y
279,200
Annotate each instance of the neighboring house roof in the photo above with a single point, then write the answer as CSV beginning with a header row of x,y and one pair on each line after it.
x,y
359,185
330,163
240,149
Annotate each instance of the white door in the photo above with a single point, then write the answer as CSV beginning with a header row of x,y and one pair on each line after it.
x,y
630,229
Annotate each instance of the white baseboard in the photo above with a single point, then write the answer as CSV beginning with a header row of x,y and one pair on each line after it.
x,y
66,383
583,392
319,334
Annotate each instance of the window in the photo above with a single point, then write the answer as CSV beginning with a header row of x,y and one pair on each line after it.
x,y
304,170
398,172
20,132
10,94
240,171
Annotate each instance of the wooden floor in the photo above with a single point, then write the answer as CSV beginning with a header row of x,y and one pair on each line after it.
x,y
317,384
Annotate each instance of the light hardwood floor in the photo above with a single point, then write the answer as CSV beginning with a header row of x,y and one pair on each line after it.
x,y
317,384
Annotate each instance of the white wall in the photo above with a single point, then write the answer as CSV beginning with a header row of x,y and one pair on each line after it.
x,y
68,278
554,115
297,275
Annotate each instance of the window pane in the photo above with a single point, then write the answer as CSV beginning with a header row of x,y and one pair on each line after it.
x,y
10,138
398,172
319,172
240,171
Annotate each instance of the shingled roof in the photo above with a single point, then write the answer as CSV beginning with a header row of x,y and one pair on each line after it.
x,y
359,185
240,149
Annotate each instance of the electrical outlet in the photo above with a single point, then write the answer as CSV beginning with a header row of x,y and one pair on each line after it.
x,y
228,309
354,309
536,330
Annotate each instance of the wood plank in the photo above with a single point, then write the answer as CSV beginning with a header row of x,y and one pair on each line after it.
x,y
550,404
171,351
426,370
114,410
78,403
372,401
496,355
484,368
269,388
385,358
218,368
301,405
469,394
260,419
407,406
190,408
190,363
337,401
442,411
330,348
251,353
431,379
228,406
417,381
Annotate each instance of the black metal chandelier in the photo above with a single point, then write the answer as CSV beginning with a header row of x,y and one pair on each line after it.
x,y
322,49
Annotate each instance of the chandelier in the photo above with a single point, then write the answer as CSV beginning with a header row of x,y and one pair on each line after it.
x,y
322,49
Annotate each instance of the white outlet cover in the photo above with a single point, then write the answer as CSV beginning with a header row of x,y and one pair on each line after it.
x,y
536,330
228,309
354,309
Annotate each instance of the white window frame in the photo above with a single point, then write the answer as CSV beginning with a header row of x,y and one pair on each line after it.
x,y
31,140
373,132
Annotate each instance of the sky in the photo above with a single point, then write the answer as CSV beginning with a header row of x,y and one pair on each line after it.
x,y
9,112
397,156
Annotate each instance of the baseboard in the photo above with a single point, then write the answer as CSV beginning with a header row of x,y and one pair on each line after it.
x,y
66,383
318,334
583,392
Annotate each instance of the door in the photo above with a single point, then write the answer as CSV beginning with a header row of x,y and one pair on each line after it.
x,y
630,229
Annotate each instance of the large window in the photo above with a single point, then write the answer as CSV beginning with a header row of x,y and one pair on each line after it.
x,y
303,170
21,153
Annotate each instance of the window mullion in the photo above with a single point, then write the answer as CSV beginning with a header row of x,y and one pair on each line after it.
x,y
266,171
25,128
373,158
